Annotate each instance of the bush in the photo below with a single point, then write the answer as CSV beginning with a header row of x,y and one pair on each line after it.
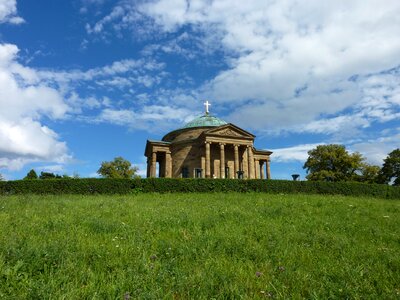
x,y
168,185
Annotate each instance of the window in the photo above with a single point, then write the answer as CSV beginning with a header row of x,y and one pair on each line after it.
x,y
197,172
185,172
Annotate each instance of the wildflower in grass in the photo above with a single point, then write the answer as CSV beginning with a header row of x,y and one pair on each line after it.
x,y
127,296
267,294
258,274
281,268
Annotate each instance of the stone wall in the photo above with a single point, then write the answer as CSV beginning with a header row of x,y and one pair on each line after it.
x,y
186,155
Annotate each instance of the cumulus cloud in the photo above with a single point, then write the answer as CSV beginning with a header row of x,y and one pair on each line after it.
x,y
8,12
23,102
289,65
28,96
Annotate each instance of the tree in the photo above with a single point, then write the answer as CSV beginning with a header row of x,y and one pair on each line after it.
x,y
1,177
333,163
118,168
369,173
48,175
391,168
31,175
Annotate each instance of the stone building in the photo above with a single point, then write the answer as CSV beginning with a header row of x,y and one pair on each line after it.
x,y
207,147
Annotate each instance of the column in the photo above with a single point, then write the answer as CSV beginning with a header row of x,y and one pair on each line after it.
x,y
222,160
245,162
153,171
262,170
168,165
268,170
251,162
203,167
148,168
236,150
208,169
257,168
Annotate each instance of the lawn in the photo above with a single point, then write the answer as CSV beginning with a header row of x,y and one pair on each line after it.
x,y
202,246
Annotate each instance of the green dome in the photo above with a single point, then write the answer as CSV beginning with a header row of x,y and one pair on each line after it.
x,y
205,121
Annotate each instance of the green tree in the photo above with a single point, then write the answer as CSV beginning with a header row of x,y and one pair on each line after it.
x,y
391,168
48,175
118,168
369,173
1,177
31,175
333,163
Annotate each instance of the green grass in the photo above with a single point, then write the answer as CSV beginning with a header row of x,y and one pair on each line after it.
x,y
203,246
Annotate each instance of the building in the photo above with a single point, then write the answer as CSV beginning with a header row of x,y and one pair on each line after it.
x,y
207,147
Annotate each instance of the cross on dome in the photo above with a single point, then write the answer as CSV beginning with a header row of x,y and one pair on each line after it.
x,y
207,104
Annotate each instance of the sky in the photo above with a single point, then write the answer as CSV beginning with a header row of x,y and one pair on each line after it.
x,y
84,81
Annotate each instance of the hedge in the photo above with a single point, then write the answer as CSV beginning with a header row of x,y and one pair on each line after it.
x,y
87,186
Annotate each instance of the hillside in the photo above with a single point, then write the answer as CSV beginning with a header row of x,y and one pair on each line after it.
x,y
181,246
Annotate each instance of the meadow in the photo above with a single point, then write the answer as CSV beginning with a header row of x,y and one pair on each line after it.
x,y
199,246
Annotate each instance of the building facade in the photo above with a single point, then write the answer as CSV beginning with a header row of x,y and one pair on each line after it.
x,y
207,147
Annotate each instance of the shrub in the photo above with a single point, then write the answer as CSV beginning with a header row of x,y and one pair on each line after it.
x,y
170,185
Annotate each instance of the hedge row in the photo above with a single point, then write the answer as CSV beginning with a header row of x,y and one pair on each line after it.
x,y
166,185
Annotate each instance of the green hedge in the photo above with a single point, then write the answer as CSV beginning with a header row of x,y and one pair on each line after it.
x,y
166,185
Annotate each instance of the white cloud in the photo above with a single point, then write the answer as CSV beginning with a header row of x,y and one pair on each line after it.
x,y
289,64
8,12
294,153
52,168
24,100
153,118
28,95
375,150
120,74
116,13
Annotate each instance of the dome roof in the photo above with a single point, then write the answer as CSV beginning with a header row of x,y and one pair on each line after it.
x,y
205,121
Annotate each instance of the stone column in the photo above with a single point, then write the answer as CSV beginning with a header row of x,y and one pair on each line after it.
x,y
148,168
236,150
168,165
208,165
203,167
257,168
153,171
262,170
268,170
245,162
251,162
222,160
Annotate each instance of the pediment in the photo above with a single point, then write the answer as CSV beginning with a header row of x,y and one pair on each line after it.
x,y
229,130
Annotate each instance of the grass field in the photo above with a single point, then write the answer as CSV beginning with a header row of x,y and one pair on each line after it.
x,y
202,246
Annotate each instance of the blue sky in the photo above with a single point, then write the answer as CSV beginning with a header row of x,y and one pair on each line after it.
x,y
84,81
